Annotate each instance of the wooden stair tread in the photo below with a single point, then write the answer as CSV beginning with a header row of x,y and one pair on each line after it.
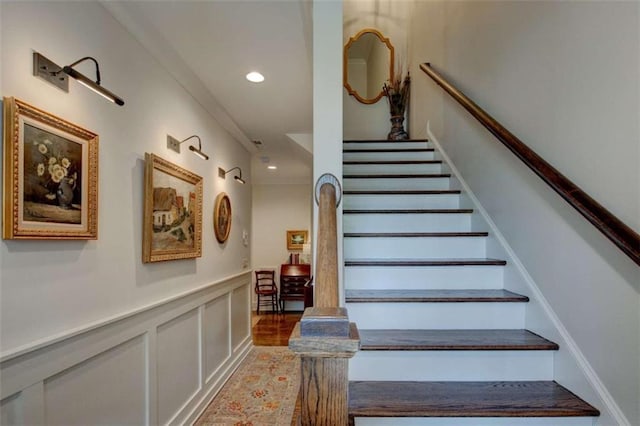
x,y
404,192
432,296
465,399
408,211
380,162
413,234
383,141
453,340
440,399
389,150
399,176
425,262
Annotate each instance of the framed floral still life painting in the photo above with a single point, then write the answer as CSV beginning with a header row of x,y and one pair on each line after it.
x,y
296,239
172,212
50,176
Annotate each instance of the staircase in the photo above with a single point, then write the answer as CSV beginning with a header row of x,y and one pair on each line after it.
x,y
442,341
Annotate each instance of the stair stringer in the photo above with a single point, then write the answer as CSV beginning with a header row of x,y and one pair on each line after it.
x,y
571,368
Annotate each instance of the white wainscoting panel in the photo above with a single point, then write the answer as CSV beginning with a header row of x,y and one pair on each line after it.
x,y
178,344
10,410
159,364
92,388
240,316
217,337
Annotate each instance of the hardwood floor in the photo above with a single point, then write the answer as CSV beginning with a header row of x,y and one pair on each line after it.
x,y
271,329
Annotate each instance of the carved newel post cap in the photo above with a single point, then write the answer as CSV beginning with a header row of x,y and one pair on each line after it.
x,y
327,322
325,333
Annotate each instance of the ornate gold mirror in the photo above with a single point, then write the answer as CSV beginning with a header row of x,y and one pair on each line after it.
x,y
367,65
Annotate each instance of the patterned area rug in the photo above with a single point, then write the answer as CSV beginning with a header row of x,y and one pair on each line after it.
x,y
262,391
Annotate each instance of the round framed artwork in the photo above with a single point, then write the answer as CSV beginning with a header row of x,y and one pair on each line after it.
x,y
222,217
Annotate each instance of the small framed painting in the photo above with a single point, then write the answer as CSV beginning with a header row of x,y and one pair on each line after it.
x,y
172,223
296,239
50,186
222,217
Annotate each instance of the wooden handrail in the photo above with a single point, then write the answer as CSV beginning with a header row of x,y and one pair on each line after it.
x,y
613,228
324,338
326,292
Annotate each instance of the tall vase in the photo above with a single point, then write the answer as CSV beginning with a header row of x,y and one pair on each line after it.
x,y
65,192
397,132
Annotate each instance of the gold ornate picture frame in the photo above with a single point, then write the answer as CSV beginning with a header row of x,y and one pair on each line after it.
x,y
222,217
50,186
172,223
296,239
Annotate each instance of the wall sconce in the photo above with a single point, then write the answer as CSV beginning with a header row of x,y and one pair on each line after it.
x,y
58,76
174,145
223,174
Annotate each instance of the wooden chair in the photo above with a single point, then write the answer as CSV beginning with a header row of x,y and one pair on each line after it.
x,y
266,290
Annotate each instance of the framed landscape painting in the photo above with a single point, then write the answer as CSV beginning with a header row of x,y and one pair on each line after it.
x,y
296,239
50,176
172,212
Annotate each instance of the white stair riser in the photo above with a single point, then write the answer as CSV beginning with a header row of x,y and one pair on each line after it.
x,y
423,277
396,183
386,145
452,365
429,365
407,222
476,421
414,247
396,201
388,156
468,315
348,169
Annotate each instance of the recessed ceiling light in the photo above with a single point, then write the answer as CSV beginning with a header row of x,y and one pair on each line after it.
x,y
255,77
272,167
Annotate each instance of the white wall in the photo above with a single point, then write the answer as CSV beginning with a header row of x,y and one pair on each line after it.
x,y
276,209
563,76
327,108
365,121
426,28
389,17
55,289
581,59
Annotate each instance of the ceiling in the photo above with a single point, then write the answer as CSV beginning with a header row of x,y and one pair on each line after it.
x,y
209,46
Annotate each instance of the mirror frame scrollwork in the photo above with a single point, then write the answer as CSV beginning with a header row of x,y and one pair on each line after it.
x,y
345,63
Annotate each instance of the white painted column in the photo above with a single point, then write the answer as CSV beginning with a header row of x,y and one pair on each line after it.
x,y
327,104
